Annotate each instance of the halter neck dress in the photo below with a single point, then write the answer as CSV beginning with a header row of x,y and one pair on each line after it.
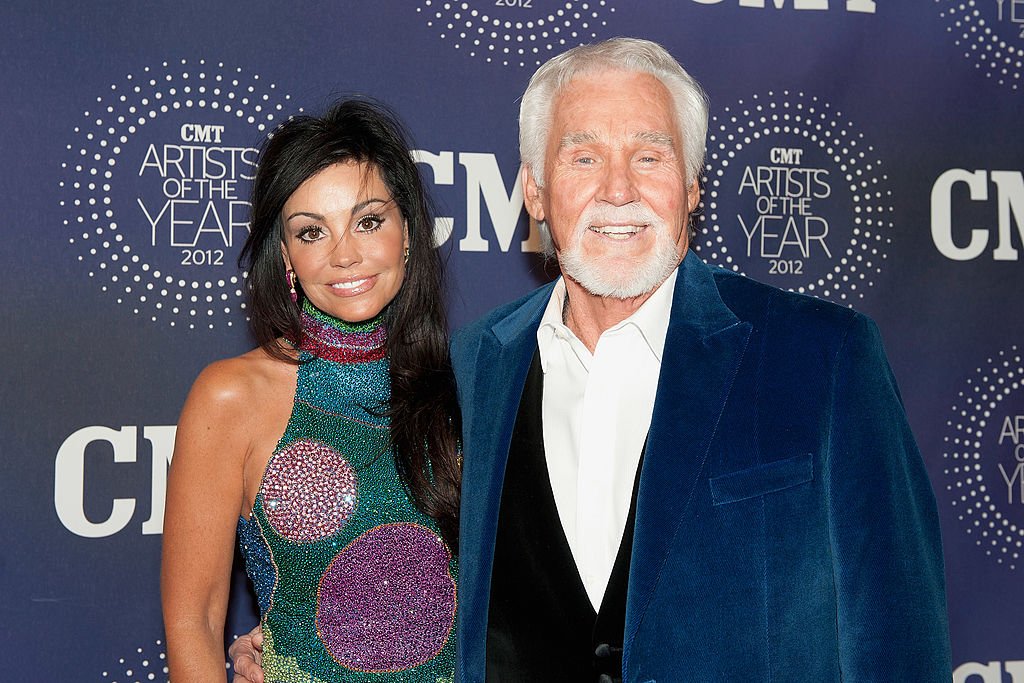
x,y
354,583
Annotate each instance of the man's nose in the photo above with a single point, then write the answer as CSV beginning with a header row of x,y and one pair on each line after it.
x,y
618,186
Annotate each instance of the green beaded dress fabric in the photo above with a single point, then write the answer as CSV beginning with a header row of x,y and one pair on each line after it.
x,y
353,582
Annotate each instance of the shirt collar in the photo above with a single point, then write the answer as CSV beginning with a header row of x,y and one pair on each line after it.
x,y
651,319
551,326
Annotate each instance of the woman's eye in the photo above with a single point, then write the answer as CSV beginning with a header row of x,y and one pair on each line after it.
x,y
369,223
311,233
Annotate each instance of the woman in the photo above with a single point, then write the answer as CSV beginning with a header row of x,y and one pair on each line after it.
x,y
333,446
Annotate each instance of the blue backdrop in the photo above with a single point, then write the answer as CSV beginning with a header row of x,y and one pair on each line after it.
x,y
864,151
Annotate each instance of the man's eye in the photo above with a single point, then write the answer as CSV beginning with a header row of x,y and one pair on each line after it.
x,y
369,223
585,161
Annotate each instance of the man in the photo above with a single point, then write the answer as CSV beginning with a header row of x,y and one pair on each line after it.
x,y
673,473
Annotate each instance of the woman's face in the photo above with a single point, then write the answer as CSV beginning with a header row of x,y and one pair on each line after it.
x,y
345,238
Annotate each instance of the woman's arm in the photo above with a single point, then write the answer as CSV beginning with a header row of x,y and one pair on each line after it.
x,y
204,497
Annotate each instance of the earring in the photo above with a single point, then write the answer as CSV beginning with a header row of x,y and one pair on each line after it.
x,y
290,277
407,254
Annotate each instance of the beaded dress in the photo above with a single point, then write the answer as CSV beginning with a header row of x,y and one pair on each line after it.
x,y
353,582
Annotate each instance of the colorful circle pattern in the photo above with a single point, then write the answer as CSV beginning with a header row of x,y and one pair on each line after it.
x,y
387,601
309,491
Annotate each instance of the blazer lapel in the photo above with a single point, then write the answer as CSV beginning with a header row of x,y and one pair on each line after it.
x,y
499,374
703,350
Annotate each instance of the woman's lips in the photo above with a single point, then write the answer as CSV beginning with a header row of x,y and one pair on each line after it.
x,y
353,286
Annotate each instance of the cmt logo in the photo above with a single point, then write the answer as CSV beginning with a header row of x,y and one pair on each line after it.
x,y
1009,197
69,478
201,132
992,672
789,156
865,6
483,179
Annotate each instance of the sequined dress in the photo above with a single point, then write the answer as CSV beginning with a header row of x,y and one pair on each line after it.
x,y
353,582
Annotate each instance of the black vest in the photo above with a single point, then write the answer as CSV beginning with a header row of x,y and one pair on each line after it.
x,y
541,625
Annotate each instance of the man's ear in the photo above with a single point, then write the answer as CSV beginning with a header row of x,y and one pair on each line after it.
x,y
692,196
532,194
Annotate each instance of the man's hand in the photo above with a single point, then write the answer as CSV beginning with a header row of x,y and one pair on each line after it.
x,y
247,657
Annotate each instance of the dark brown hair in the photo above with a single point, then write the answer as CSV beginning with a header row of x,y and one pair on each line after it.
x,y
425,421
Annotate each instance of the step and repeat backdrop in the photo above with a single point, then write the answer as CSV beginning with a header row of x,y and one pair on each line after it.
x,y
868,152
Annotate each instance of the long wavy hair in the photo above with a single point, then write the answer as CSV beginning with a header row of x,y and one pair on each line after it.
x,y
423,411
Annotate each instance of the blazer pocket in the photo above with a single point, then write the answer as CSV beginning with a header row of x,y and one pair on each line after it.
x,y
761,479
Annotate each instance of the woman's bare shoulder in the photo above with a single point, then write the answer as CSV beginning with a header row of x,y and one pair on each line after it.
x,y
242,383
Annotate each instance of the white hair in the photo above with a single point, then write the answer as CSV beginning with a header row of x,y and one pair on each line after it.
x,y
618,54
605,275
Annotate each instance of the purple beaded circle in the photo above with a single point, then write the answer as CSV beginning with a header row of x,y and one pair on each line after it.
x,y
309,491
387,601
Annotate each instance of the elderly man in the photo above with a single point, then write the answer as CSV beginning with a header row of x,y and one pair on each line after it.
x,y
674,473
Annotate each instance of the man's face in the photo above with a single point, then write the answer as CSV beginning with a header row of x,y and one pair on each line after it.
x,y
616,198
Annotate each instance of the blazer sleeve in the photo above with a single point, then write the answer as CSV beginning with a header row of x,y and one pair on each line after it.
x,y
883,525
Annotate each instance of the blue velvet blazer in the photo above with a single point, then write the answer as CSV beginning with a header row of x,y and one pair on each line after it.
x,y
785,525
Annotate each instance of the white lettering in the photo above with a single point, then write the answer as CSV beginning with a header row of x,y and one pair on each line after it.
x,y
1010,202
69,481
866,6
1011,205
1013,429
779,4
69,478
484,178
1017,473
443,166
783,155
152,221
198,132
992,672
162,440
942,214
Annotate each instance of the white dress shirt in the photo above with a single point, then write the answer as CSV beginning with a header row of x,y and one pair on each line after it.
x,y
596,412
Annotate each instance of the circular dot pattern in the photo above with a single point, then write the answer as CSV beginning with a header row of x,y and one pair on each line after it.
x,y
792,117
143,665
516,31
973,428
309,491
387,601
988,36
109,244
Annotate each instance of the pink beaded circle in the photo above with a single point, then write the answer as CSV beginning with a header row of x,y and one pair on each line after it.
x,y
387,601
309,491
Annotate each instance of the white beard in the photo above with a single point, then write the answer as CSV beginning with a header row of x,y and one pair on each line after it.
x,y
604,275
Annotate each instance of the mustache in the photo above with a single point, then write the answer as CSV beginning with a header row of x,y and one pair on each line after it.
x,y
629,214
